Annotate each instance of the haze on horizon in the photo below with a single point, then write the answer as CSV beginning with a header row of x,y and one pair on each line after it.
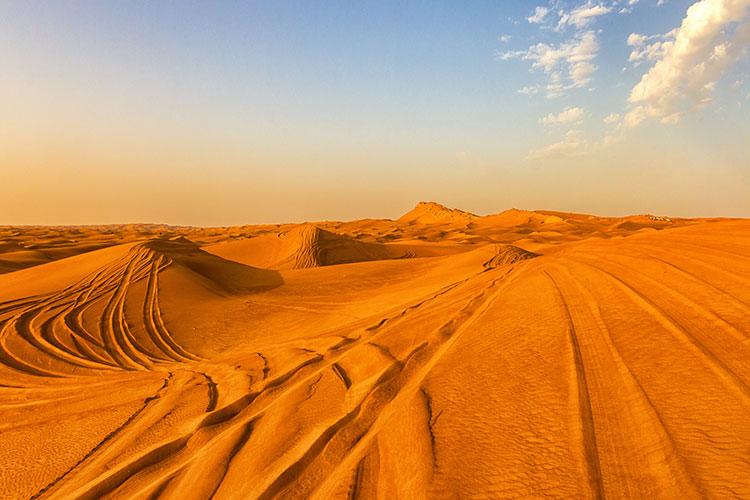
x,y
224,113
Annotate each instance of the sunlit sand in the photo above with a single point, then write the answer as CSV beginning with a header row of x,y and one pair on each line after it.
x,y
443,354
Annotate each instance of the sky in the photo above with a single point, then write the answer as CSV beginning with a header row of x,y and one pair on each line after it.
x,y
229,113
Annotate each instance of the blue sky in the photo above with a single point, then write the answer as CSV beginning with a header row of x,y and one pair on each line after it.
x,y
229,113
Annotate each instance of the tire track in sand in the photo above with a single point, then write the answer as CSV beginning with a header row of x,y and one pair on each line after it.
x,y
588,430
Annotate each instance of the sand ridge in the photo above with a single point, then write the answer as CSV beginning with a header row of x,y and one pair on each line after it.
x,y
444,354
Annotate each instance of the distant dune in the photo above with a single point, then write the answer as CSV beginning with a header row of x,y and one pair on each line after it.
x,y
525,354
428,212
301,247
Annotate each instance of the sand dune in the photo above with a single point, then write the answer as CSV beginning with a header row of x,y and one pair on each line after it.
x,y
443,354
429,212
304,246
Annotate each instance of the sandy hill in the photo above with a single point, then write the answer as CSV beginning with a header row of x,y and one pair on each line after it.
x,y
519,355
428,212
515,217
446,230
302,247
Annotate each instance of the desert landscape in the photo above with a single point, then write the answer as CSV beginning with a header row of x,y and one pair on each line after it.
x,y
392,250
527,354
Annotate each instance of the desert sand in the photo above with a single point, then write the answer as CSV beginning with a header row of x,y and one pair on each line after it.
x,y
440,355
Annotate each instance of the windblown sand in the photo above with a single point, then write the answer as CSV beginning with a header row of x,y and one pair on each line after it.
x,y
523,354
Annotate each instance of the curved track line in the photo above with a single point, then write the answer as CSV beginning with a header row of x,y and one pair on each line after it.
x,y
719,368
588,430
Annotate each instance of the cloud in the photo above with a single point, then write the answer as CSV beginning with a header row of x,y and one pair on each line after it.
x,y
505,38
645,51
636,40
713,35
573,144
635,117
583,15
529,90
612,119
628,8
568,115
538,16
567,65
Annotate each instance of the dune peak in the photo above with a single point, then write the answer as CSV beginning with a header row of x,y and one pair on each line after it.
x,y
430,212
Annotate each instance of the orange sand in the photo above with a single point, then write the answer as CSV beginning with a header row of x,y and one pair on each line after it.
x,y
523,354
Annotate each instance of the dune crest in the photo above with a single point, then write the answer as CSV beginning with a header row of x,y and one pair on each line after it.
x,y
429,212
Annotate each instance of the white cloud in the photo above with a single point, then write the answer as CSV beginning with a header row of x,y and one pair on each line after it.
x,y
567,65
505,38
573,144
634,117
713,35
645,51
538,16
612,119
528,90
583,15
635,39
568,115
628,8
580,73
511,54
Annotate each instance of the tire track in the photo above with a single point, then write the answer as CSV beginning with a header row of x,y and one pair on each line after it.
x,y
237,414
111,286
411,386
205,431
647,415
107,439
720,369
213,393
738,302
707,314
588,429
116,347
